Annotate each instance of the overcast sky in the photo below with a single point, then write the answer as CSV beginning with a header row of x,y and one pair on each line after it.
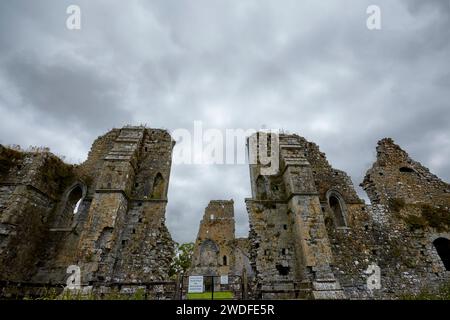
x,y
309,67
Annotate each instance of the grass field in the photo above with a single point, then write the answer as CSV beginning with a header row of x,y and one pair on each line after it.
x,y
220,295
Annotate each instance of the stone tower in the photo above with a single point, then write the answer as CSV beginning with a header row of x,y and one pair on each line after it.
x,y
291,252
213,252
124,237
106,215
217,251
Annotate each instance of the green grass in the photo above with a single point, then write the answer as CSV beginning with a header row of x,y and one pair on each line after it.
x,y
220,295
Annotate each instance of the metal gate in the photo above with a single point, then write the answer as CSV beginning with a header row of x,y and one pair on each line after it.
x,y
229,287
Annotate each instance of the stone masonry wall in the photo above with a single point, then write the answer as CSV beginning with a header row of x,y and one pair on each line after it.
x,y
290,250
214,246
106,215
310,236
30,184
398,232
414,206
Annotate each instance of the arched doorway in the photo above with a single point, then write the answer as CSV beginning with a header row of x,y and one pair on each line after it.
x,y
336,205
442,246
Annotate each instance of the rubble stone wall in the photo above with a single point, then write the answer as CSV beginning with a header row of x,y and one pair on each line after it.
x,y
217,251
404,231
310,235
106,215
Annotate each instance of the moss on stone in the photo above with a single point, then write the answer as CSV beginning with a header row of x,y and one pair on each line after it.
x,y
396,252
438,218
7,158
58,172
428,216
396,204
416,222
442,293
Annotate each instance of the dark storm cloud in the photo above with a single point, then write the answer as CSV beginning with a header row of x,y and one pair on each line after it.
x,y
67,92
308,67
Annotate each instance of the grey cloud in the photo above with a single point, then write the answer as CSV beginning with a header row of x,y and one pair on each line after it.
x,y
74,93
307,67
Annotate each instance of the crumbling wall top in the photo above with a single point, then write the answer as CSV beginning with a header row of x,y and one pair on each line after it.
x,y
395,175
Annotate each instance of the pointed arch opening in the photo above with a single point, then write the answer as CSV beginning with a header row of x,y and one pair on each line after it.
x,y
337,207
71,206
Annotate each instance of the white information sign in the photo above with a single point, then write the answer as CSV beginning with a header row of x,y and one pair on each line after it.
x,y
195,284
223,279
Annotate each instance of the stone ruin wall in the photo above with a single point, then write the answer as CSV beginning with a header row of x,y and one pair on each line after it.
x,y
291,254
411,207
118,233
29,191
242,265
381,233
357,234
310,236
217,251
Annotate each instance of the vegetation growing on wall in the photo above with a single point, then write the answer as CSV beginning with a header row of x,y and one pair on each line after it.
x,y
54,294
442,293
57,172
434,217
8,157
425,216
182,259
396,204
415,222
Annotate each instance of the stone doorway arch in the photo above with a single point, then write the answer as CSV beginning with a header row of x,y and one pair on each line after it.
x,y
442,246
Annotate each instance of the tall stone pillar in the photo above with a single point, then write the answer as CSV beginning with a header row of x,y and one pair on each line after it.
x,y
99,245
312,247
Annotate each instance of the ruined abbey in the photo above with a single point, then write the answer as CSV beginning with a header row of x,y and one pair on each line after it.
x,y
311,236
107,215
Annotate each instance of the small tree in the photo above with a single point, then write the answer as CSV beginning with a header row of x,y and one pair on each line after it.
x,y
182,259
